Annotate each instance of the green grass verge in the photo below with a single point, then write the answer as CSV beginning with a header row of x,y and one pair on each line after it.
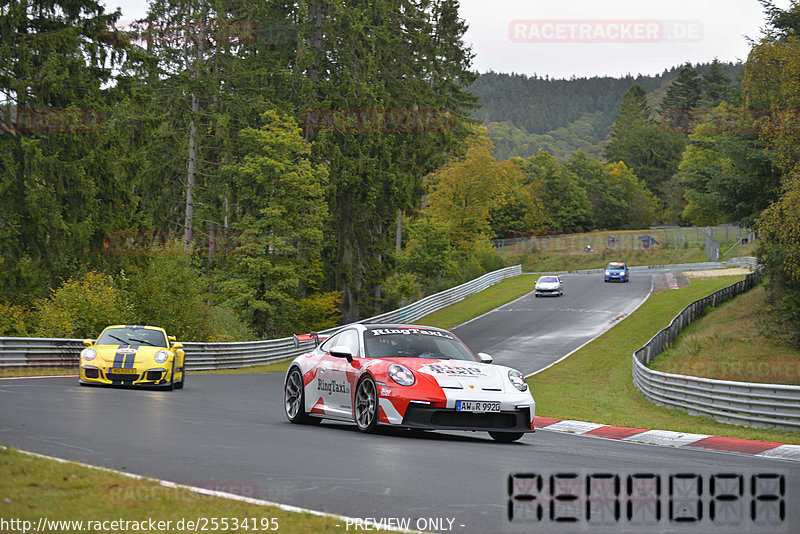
x,y
729,343
16,372
472,306
277,367
594,384
478,303
598,260
32,488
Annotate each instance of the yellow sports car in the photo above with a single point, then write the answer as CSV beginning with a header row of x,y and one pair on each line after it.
x,y
129,355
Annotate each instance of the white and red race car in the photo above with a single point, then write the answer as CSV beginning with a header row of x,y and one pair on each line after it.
x,y
406,376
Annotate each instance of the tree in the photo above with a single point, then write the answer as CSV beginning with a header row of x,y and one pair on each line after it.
x,y
652,152
771,89
278,236
725,173
461,194
64,168
684,93
566,202
373,64
619,199
715,84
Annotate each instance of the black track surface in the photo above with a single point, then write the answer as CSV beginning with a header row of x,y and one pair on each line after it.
x,y
229,431
531,333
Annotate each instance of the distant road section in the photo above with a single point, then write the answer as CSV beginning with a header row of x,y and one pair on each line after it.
x,y
531,333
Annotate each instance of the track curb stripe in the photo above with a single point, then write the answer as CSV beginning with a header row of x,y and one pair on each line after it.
x,y
668,438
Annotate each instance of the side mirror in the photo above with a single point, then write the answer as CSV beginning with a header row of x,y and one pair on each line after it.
x,y
171,338
176,346
88,342
485,358
340,351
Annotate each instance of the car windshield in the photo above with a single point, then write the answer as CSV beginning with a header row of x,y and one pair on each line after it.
x,y
616,266
549,279
132,336
415,343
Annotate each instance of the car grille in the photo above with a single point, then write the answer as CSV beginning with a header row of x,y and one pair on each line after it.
x,y
154,375
91,373
123,378
425,416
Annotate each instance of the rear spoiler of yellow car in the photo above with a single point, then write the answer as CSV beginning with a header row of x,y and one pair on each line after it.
x,y
311,336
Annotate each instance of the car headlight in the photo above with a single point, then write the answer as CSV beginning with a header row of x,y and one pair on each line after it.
x,y
161,356
401,375
88,354
517,380
608,273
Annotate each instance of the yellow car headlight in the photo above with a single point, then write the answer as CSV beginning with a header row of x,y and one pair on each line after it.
x,y
161,356
88,354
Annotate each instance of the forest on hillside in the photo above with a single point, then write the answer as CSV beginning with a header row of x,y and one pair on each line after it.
x,y
527,113
238,170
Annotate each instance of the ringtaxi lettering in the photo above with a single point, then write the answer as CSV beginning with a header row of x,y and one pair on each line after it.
x,y
409,331
333,386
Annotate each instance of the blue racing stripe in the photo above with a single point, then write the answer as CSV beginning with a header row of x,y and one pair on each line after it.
x,y
119,361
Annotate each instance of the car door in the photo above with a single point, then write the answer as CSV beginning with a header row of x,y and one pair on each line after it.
x,y
332,381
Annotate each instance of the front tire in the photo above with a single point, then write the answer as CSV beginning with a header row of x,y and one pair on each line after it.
x,y
506,437
366,406
294,399
179,385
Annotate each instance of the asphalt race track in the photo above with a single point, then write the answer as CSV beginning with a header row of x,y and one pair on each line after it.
x,y
531,333
230,431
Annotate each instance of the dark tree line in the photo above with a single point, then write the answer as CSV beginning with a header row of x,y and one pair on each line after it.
x,y
276,142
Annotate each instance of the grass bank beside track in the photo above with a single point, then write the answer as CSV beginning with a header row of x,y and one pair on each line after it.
x,y
577,261
594,384
729,343
32,487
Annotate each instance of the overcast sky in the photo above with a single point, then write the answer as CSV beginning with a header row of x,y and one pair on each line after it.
x,y
565,38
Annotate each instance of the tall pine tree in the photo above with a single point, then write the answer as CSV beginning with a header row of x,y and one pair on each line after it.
x,y
64,179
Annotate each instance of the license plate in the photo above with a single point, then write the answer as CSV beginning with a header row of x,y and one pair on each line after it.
x,y
123,371
477,406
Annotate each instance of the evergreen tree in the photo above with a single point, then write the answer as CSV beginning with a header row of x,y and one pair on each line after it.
x,y
63,166
400,60
650,151
275,254
716,86
566,202
682,97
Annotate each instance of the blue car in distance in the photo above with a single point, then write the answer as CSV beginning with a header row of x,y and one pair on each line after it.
x,y
616,272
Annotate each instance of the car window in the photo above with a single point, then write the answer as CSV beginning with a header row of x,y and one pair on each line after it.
x,y
616,266
414,343
330,342
548,279
133,337
348,338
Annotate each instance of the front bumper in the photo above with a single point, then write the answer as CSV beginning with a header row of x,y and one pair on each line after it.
x,y
616,277
430,417
152,376
542,292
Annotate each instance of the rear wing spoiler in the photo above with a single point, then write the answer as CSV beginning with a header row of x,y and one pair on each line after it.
x,y
311,336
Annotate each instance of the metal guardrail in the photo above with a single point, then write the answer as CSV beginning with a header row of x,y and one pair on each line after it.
x,y
741,403
21,352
